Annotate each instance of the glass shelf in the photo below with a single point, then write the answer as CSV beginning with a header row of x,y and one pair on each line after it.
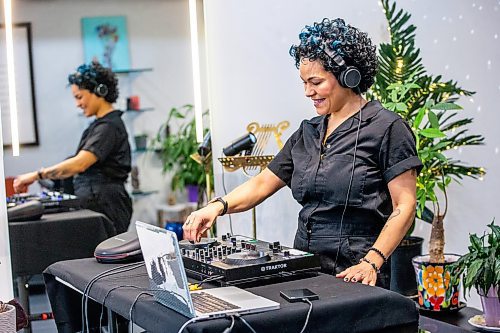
x,y
139,110
143,193
140,151
132,70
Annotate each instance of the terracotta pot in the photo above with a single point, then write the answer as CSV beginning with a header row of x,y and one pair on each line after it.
x,y
491,307
436,292
8,320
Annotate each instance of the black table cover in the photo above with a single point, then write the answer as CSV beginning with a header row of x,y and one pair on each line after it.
x,y
342,307
34,245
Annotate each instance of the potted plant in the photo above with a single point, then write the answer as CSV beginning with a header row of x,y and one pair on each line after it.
x,y
429,106
481,269
176,143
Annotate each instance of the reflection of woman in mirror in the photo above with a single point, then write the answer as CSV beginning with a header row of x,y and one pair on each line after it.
x,y
102,161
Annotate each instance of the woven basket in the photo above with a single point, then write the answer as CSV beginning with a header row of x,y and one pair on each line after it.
x,y
8,319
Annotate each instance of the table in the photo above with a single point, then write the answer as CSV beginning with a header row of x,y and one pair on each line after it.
x,y
34,245
454,322
342,307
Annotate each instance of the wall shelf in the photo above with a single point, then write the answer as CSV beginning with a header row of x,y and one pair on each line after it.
x,y
139,110
132,70
138,194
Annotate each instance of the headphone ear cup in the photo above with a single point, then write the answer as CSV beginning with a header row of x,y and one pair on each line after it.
x,y
101,90
350,77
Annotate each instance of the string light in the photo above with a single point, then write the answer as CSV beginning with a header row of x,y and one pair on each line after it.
x,y
195,57
9,43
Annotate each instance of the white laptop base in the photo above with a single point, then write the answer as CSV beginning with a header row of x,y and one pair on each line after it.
x,y
167,277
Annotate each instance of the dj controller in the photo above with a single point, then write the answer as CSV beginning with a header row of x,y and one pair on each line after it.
x,y
52,201
234,260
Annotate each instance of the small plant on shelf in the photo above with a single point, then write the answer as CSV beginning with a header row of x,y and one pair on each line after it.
x,y
176,148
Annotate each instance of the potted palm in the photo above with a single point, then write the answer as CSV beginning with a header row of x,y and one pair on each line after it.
x,y
481,269
176,148
428,104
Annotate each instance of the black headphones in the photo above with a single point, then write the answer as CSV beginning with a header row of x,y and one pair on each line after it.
x,y
349,76
101,90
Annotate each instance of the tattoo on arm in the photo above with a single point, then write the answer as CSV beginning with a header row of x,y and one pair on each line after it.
x,y
394,214
55,174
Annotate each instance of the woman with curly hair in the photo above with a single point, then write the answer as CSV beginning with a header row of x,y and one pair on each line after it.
x,y
352,168
102,161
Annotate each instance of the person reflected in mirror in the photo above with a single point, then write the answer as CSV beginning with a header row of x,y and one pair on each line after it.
x,y
352,168
102,161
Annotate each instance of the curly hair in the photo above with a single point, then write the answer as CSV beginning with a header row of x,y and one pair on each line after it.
x,y
90,76
354,46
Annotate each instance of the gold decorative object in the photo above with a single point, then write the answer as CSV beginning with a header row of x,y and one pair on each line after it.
x,y
256,159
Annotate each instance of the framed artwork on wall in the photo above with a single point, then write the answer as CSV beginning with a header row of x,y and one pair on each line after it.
x,y
105,39
25,87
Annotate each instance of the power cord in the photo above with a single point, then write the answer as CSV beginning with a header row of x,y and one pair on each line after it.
x,y
131,311
104,302
245,322
190,321
230,328
196,286
308,314
86,290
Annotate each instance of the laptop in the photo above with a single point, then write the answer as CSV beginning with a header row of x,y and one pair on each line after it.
x,y
168,281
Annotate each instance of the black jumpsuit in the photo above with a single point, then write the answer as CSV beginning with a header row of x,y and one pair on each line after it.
x,y
101,187
318,175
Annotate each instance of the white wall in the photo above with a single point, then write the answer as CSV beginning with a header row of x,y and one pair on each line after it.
x,y
158,38
252,78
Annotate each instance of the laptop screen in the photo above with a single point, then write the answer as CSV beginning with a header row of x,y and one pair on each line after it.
x,y
165,268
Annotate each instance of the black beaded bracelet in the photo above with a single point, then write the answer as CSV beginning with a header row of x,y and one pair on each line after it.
x,y
380,253
223,202
371,263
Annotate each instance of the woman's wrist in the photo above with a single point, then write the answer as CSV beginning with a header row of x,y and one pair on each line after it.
x,y
222,203
371,263
375,258
39,174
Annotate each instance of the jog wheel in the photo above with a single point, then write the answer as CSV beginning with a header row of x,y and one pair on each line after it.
x,y
247,258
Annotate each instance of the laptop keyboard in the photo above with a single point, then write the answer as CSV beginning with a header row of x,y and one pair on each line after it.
x,y
205,303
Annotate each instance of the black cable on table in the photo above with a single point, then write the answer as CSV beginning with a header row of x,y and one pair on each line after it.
x,y
86,290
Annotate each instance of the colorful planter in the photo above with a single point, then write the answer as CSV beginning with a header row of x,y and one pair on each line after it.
x,y
436,290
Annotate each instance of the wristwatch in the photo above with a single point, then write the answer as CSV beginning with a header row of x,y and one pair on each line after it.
x,y
223,202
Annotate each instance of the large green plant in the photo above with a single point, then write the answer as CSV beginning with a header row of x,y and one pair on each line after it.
x,y
177,148
481,265
428,104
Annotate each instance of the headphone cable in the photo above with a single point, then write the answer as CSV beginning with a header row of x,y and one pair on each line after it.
x,y
350,181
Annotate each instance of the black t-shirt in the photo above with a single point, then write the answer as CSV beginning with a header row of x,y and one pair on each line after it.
x,y
107,139
319,175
